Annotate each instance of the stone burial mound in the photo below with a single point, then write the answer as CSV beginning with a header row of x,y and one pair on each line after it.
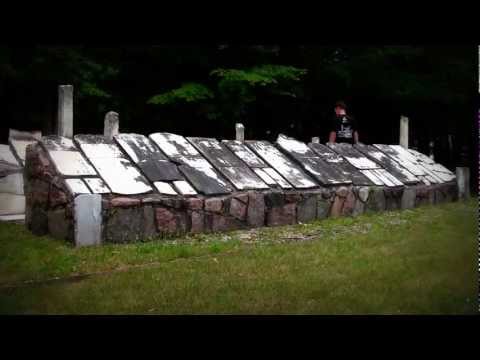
x,y
90,190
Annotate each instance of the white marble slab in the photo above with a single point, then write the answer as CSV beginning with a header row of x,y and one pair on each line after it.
x,y
373,177
265,177
71,163
184,188
97,185
7,156
12,184
19,147
284,184
174,146
164,188
403,157
88,220
77,186
12,204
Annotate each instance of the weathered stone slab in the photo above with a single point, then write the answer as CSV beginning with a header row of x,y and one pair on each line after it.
x,y
164,188
6,156
121,176
265,177
153,163
403,157
354,157
388,163
12,204
206,180
335,160
284,166
19,149
77,186
234,169
88,220
279,179
184,188
12,184
214,205
311,162
97,186
245,154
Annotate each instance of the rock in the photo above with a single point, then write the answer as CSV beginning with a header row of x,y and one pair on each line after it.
x,y
323,207
376,201
336,209
59,226
214,205
349,204
359,208
242,197
238,209
37,220
256,209
195,203
197,219
284,215
293,198
408,198
170,222
342,191
124,202
274,199
57,197
38,192
307,209
363,193
224,223
149,226
393,198
327,193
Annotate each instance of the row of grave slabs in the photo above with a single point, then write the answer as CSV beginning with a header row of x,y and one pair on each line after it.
x,y
171,164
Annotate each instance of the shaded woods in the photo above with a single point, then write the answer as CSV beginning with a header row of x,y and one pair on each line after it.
x,y
202,90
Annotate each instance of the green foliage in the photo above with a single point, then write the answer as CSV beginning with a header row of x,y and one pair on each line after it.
x,y
189,92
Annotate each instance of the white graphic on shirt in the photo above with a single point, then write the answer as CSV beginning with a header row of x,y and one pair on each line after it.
x,y
345,129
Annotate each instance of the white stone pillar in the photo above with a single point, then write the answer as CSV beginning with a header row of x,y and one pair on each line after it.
x,y
65,111
463,182
239,132
404,131
111,125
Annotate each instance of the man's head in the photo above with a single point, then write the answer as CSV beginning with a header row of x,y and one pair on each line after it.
x,y
340,108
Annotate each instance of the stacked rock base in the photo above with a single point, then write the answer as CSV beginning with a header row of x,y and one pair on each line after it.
x,y
50,206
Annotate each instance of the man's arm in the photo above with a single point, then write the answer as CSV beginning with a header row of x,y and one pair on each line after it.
x,y
332,137
355,137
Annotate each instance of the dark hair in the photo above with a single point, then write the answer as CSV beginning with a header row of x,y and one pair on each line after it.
x,y
341,104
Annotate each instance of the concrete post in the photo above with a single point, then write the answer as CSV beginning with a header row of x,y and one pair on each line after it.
x,y
404,131
239,132
65,111
316,140
463,182
431,145
111,126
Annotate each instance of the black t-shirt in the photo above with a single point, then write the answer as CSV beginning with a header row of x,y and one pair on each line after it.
x,y
344,126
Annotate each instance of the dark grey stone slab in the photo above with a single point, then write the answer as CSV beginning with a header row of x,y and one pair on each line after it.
x,y
322,171
336,161
244,153
283,165
388,164
402,157
354,157
205,182
225,161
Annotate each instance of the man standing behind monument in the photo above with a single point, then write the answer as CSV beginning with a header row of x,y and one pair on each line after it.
x,y
343,127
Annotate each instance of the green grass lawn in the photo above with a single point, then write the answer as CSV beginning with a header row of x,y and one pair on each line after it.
x,y
420,261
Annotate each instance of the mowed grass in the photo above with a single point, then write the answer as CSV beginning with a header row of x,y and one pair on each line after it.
x,y
421,261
